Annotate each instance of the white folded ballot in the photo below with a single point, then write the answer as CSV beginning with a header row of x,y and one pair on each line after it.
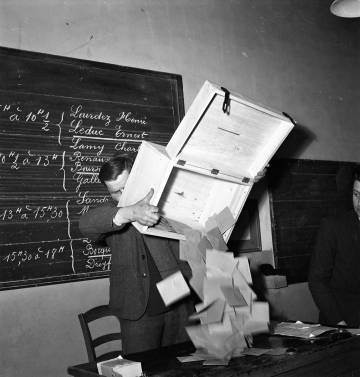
x,y
173,288
119,367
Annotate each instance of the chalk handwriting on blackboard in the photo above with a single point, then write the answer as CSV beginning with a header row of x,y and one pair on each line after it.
x,y
82,132
53,140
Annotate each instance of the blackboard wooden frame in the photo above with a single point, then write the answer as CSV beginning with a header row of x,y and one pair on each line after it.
x,y
32,80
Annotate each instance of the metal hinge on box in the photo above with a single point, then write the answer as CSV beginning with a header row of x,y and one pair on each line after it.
x,y
181,162
216,172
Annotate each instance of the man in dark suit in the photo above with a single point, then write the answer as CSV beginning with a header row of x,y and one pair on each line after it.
x,y
138,262
334,278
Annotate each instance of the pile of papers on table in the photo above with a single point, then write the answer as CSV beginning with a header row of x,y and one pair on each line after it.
x,y
303,330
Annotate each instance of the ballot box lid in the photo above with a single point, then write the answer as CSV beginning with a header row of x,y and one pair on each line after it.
x,y
224,132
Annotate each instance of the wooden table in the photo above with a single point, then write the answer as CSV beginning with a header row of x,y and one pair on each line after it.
x,y
326,356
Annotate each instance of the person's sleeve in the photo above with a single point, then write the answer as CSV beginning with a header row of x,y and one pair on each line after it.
x,y
98,221
320,272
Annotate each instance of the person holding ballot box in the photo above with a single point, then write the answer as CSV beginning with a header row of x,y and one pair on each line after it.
x,y
138,263
334,277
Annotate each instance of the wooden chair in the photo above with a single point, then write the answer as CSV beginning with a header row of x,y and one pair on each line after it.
x,y
91,342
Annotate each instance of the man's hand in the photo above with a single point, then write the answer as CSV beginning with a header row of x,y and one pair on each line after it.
x,y
143,212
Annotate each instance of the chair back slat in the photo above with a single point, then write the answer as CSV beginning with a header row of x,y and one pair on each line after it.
x,y
106,339
91,343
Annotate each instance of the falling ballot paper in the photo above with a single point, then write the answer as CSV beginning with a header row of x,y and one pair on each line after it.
x,y
173,288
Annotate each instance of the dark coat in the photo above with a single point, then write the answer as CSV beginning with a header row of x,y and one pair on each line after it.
x,y
129,275
334,278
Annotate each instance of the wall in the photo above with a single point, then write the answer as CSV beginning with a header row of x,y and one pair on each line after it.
x,y
40,333
292,55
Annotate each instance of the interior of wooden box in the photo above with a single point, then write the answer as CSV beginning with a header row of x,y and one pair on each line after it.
x,y
151,169
239,144
190,198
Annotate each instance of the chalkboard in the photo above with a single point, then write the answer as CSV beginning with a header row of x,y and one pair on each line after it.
x,y
60,120
302,193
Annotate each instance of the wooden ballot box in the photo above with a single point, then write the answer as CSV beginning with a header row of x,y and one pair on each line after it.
x,y
209,165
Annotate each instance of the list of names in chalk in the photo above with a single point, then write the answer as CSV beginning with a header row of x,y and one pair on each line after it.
x,y
49,159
